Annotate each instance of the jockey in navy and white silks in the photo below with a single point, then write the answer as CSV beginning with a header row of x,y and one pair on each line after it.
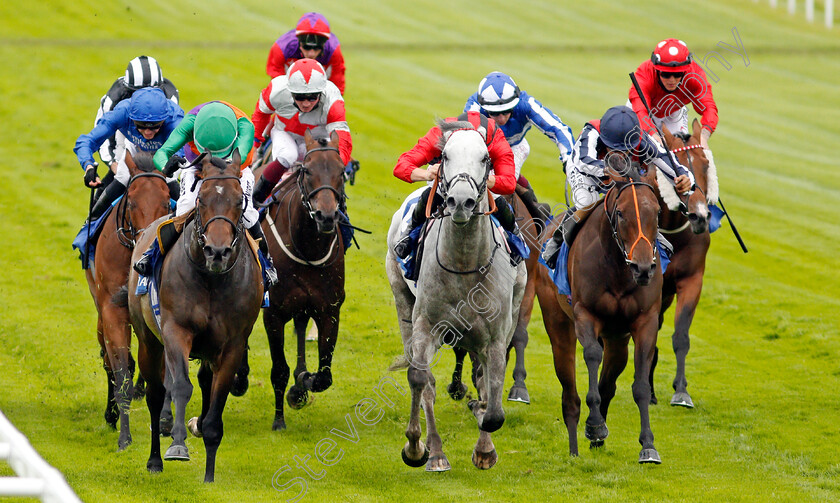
x,y
617,131
142,71
146,120
515,111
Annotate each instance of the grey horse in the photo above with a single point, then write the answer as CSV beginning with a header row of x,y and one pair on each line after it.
x,y
467,295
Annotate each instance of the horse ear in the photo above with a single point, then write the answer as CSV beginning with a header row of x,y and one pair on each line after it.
x,y
695,128
307,138
483,132
334,138
445,135
236,158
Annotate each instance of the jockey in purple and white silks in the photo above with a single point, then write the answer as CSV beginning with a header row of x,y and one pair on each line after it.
x,y
146,120
515,111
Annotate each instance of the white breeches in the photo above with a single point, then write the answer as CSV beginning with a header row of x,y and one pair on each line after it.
x,y
585,190
520,153
186,202
286,147
676,122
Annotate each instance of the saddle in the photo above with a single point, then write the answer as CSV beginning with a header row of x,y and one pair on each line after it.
x,y
573,220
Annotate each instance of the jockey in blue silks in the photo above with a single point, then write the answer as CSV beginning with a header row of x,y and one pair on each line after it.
x,y
146,120
515,111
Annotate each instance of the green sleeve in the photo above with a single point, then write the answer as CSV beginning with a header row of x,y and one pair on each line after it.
x,y
245,136
177,139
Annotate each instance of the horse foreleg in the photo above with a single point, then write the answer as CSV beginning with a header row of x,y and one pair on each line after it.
x,y
212,426
644,339
177,343
489,414
150,361
111,414
117,335
563,346
274,327
457,389
240,381
615,360
420,350
299,394
585,328
327,324
688,295
519,392
205,382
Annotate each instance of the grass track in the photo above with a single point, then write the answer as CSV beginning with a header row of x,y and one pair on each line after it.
x,y
763,364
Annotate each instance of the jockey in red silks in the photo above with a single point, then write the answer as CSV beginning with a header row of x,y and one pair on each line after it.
x,y
669,81
409,168
311,39
302,100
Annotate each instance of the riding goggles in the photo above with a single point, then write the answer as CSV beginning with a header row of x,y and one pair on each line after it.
x,y
306,97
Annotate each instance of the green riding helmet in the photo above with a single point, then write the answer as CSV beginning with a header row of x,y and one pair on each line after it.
x,y
215,129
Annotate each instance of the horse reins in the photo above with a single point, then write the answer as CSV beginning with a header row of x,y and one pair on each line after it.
x,y
628,257
200,226
127,233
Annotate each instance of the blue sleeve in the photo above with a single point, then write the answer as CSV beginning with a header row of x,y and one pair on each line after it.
x,y
551,125
107,126
472,104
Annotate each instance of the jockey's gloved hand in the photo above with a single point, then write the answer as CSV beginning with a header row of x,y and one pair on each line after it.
x,y
90,175
172,165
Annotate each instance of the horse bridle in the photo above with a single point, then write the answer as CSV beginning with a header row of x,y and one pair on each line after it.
x,y
446,184
306,196
199,226
126,232
628,257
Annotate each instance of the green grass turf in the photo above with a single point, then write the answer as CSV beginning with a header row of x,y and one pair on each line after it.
x,y
763,365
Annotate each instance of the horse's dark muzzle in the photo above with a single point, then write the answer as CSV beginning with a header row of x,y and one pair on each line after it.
x,y
698,223
326,221
642,274
217,257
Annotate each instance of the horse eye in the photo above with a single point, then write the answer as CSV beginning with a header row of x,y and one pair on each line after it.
x,y
618,214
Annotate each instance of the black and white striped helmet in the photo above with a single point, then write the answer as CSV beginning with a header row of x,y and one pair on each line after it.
x,y
143,71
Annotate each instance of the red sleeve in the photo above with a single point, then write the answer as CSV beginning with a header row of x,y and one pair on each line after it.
x,y
345,146
336,64
276,64
260,118
700,94
421,154
503,166
336,116
646,76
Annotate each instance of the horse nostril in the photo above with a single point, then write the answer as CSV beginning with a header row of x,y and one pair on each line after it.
x,y
469,204
450,202
693,217
227,252
652,268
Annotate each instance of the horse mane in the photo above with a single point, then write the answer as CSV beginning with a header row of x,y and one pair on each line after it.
x,y
143,161
448,127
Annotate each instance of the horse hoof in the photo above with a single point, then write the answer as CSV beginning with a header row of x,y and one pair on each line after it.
x,y
649,456
438,464
416,463
278,425
240,385
321,381
154,466
653,400
484,460
192,426
682,399
597,433
457,390
297,397
139,391
596,444
177,453
519,394
166,425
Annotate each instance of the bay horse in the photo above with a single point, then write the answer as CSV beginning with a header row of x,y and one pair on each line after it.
x,y
687,230
210,297
146,199
616,286
530,232
301,227
468,296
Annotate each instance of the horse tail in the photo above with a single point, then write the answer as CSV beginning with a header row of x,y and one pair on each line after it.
x,y
399,363
120,299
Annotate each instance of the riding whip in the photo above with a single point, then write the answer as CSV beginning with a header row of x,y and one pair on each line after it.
x,y
650,114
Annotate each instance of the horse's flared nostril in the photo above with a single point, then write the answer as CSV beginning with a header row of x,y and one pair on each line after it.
x,y
693,217
450,202
469,204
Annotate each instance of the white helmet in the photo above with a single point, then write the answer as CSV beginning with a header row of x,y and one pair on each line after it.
x,y
143,71
307,76
497,92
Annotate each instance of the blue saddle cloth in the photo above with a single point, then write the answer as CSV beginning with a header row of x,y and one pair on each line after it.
x,y
715,217
560,274
89,234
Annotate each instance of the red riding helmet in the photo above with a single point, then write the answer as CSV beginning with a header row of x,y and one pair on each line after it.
x,y
313,23
671,55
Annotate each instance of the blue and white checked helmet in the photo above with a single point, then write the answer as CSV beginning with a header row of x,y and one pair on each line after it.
x,y
497,92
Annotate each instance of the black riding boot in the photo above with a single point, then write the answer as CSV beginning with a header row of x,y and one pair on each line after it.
x,y
402,248
504,214
114,190
262,189
270,272
174,189
168,237
106,180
